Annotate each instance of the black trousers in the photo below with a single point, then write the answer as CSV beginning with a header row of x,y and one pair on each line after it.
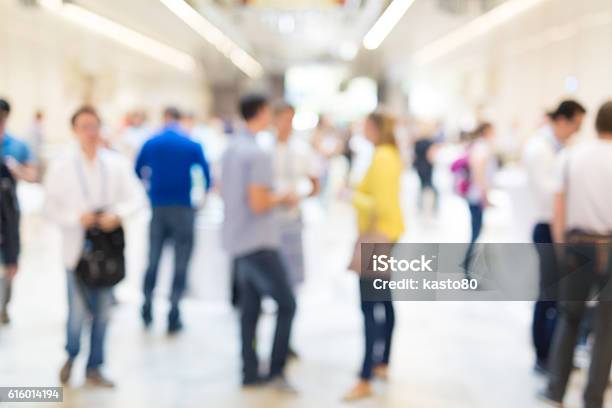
x,y
260,274
545,311
574,291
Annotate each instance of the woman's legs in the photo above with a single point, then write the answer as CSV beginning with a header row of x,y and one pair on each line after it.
x,y
369,321
476,213
389,325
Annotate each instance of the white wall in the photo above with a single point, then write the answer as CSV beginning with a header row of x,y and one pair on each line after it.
x,y
515,73
50,64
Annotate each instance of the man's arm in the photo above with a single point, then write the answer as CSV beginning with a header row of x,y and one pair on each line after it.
x,y
262,200
25,172
140,161
559,221
478,169
201,160
316,186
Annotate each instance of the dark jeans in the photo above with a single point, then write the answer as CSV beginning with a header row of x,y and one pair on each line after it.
x,y
378,333
545,312
426,178
7,289
176,224
575,289
476,214
84,302
260,274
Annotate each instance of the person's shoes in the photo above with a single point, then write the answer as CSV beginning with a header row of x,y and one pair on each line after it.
x,y
280,384
66,371
292,354
175,327
381,371
4,317
360,391
541,368
147,317
97,379
254,383
547,399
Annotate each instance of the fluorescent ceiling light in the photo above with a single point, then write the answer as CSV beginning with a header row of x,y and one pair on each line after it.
x,y
385,23
245,62
121,34
475,28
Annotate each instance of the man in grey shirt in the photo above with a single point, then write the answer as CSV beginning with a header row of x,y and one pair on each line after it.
x,y
250,236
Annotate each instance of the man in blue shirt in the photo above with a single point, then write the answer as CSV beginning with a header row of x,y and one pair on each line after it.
x,y
165,164
16,161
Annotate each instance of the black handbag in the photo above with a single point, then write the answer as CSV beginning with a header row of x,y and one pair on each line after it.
x,y
102,262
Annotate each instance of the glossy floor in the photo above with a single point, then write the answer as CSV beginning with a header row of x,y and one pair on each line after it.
x,y
444,354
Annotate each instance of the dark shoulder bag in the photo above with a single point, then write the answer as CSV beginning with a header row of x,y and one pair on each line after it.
x,y
102,262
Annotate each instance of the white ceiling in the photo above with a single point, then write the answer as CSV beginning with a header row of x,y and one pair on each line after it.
x,y
281,33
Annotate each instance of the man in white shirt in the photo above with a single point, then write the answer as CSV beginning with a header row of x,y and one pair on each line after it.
x,y
295,173
540,158
89,187
582,218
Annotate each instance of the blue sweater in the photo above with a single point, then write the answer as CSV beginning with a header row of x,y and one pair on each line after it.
x,y
165,163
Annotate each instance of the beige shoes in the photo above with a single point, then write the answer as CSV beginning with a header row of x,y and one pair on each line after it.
x,y
360,391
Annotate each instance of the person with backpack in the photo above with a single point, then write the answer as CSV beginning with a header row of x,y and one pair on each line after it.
x,y
539,157
473,178
15,164
89,193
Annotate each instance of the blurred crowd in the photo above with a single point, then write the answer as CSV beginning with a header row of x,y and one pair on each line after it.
x,y
264,171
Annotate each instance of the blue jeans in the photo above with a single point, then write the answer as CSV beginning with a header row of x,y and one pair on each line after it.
x,y
378,332
476,213
177,224
260,274
84,303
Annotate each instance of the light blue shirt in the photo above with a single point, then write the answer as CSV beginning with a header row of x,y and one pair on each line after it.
x,y
245,164
15,148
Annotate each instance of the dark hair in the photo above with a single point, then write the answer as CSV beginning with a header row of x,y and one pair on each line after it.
x,y
173,113
5,107
481,129
603,123
251,105
568,110
283,106
84,110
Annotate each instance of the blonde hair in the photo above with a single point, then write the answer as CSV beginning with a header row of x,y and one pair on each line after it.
x,y
385,124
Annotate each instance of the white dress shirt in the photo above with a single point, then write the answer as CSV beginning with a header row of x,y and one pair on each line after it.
x,y
583,173
294,165
75,186
539,158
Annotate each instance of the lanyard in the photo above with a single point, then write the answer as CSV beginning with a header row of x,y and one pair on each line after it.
x,y
83,182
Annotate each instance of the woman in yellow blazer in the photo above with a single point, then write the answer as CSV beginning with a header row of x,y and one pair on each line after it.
x,y
377,201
